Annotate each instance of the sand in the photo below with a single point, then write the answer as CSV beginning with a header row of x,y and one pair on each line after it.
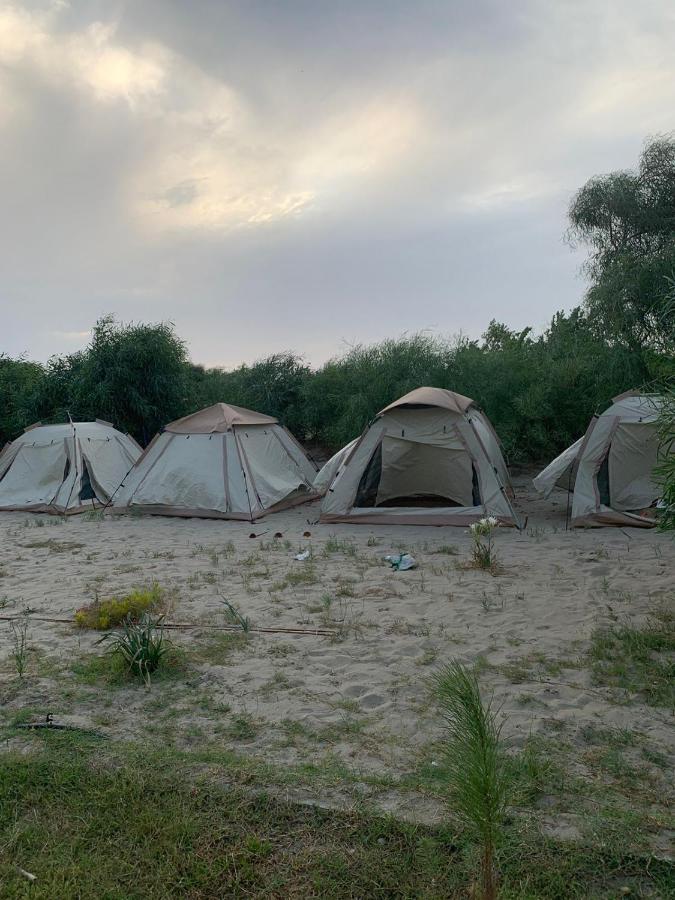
x,y
359,699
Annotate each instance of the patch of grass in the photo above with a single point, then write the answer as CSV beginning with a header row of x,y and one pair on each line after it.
x,y
94,515
428,658
242,727
447,549
637,659
141,645
103,614
55,546
178,833
219,648
296,577
335,545
112,669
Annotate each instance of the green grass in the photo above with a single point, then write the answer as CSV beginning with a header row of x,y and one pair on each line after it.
x,y
110,669
91,822
638,660
296,577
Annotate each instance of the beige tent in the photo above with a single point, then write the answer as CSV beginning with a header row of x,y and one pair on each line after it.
x,y
329,469
611,469
430,458
222,462
65,468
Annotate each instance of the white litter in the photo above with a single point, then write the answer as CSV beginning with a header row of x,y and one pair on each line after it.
x,y
303,556
401,561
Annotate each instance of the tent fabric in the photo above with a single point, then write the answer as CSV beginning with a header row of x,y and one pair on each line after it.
x,y
558,472
218,418
623,439
429,458
430,396
65,468
231,467
327,473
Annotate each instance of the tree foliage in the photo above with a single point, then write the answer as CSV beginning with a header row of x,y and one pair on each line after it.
x,y
666,469
628,221
539,391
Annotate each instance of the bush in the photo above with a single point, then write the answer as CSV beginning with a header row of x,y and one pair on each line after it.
x,y
103,614
666,469
141,645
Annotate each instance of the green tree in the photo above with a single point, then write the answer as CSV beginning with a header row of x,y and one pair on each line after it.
x,y
273,385
628,221
20,382
133,375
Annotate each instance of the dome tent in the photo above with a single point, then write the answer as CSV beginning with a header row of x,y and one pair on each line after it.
x,y
610,471
65,468
327,472
430,458
221,462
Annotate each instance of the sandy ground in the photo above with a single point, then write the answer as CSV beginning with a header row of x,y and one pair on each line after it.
x,y
360,698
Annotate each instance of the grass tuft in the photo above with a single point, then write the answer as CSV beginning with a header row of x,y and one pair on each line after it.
x,y
638,659
103,614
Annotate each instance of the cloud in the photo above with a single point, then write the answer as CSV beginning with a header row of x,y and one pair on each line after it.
x,y
294,174
89,59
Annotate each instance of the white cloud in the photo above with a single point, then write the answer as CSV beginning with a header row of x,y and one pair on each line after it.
x,y
89,59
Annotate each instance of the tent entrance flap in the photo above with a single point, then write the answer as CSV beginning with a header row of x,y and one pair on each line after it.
x,y
410,473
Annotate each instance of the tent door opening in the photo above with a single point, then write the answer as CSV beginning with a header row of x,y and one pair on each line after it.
x,y
87,491
404,473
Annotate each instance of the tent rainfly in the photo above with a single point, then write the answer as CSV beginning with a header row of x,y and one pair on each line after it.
x,y
329,469
610,470
222,462
65,468
430,458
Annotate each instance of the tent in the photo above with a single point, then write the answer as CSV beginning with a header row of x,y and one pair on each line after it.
x,y
430,458
221,462
329,469
610,471
65,468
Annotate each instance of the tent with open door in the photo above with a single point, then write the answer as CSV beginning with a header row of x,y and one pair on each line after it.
x,y
430,458
610,471
65,468
221,462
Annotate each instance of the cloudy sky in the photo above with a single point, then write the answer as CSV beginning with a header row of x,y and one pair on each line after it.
x,y
304,174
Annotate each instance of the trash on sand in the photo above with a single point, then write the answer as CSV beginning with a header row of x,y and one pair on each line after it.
x,y
401,561
304,555
28,875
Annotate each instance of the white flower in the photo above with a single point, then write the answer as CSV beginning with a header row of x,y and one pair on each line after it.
x,y
492,521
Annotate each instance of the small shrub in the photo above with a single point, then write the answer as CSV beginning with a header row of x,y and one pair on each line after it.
x,y
141,645
19,644
103,614
476,769
234,617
